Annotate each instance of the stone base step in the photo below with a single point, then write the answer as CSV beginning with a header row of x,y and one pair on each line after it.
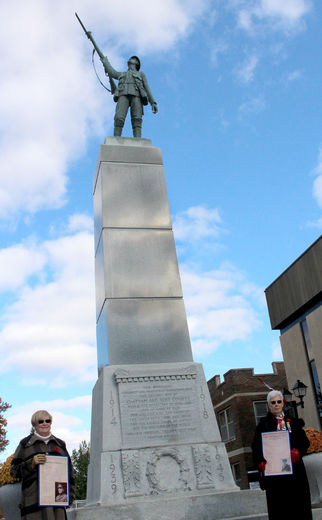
x,y
316,512
249,517
241,505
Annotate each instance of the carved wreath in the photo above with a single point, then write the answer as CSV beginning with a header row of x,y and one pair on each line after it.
x,y
151,470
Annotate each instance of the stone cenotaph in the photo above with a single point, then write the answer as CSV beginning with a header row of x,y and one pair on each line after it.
x,y
156,451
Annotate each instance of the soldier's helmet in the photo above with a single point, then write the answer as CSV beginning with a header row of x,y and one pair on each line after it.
x,y
135,59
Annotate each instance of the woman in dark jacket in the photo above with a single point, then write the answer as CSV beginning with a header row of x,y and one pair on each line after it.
x,y
31,452
288,496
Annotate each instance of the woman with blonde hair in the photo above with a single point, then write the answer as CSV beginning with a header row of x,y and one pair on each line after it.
x,y
31,452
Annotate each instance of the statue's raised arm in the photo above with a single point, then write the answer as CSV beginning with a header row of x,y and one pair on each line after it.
x,y
99,52
132,92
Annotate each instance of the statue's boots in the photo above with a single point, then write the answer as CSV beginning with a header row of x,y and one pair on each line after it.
x,y
118,131
136,125
136,131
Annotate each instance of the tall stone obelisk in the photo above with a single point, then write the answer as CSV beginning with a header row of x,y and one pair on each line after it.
x,y
156,452
140,310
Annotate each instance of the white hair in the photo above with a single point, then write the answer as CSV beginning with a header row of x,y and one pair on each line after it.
x,y
274,393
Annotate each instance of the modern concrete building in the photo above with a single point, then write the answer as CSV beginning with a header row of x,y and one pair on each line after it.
x,y
294,303
239,402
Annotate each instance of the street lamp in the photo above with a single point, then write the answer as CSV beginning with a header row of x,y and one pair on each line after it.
x,y
299,390
290,405
287,395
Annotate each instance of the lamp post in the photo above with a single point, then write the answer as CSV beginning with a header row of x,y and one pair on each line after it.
x,y
299,390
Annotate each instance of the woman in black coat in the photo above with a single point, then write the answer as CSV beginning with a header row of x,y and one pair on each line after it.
x,y
31,452
288,496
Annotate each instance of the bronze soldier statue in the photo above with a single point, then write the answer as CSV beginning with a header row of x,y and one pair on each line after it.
x,y
132,92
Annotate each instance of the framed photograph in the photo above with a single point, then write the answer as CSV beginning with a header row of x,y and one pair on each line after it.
x,y
277,452
53,481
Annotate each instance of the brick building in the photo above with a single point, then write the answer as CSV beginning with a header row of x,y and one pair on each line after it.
x,y
239,402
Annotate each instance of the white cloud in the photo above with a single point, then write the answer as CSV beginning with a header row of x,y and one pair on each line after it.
x,y
197,223
290,10
315,224
252,106
53,406
221,304
277,351
50,101
278,15
317,184
80,222
17,264
245,19
138,26
245,73
219,47
221,307
295,75
50,328
317,190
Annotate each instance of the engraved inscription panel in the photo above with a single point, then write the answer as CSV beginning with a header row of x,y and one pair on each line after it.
x,y
157,411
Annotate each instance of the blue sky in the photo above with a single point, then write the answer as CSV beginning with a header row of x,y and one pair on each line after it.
x,y
238,85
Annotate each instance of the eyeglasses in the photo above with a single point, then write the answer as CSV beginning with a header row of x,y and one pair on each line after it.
x,y
48,421
276,402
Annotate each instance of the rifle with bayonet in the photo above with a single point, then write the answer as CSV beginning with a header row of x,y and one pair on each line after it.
x,y
101,55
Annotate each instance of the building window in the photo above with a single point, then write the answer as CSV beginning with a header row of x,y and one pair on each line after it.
x,y
226,425
260,410
236,473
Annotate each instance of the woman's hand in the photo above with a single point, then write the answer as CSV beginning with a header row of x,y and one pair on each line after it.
x,y
295,455
261,467
38,459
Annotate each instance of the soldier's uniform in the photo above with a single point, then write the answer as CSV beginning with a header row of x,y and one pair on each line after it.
x,y
133,91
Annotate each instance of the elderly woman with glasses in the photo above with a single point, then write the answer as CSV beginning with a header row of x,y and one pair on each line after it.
x,y
31,452
288,496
